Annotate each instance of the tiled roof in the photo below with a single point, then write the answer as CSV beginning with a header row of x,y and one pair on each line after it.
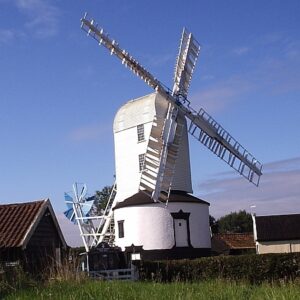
x,y
278,227
236,240
16,221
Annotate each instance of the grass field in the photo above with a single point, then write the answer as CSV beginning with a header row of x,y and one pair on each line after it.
x,y
217,289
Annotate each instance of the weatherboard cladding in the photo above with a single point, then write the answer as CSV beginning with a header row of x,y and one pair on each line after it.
x,y
16,221
148,106
278,228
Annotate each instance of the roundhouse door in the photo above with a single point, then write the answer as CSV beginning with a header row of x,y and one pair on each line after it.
x,y
181,233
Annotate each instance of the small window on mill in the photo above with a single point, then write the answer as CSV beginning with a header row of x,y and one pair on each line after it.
x,y
141,162
140,133
121,228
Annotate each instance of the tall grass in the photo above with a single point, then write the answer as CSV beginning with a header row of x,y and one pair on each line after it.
x,y
13,279
65,282
216,289
67,271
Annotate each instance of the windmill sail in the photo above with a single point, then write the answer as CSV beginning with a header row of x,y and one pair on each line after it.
x,y
78,212
206,130
202,126
84,204
186,60
69,213
161,156
127,60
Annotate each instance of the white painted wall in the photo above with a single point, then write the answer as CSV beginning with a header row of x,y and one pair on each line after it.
x,y
127,150
199,222
151,226
278,247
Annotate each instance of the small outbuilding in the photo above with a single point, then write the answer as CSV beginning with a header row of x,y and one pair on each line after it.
x,y
30,235
232,244
277,233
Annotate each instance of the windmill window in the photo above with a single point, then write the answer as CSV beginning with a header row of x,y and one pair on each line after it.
x,y
140,133
121,228
141,162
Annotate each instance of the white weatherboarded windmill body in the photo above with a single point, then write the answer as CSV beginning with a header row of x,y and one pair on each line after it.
x,y
153,214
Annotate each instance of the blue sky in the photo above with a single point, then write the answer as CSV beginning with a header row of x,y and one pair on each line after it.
x,y
59,92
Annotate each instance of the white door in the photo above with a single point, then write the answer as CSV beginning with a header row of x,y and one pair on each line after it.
x,y
181,233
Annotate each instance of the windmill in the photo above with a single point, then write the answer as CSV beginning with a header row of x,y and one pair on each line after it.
x,y
93,228
78,211
161,120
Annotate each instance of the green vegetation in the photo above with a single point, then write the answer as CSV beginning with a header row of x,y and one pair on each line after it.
x,y
250,268
150,290
102,198
272,276
235,222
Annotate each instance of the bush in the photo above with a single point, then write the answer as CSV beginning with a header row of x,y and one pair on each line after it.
x,y
252,268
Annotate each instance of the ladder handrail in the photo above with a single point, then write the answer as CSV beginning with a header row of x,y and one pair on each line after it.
x,y
79,216
169,136
108,214
110,199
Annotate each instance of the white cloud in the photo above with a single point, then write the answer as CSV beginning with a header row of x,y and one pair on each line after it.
x,y
278,193
158,60
6,36
207,77
219,96
90,132
42,20
241,50
43,16
287,164
268,74
278,69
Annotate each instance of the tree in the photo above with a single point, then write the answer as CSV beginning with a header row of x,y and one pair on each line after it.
x,y
213,223
102,199
236,222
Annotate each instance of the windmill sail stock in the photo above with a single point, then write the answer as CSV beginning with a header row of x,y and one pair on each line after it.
x,y
201,125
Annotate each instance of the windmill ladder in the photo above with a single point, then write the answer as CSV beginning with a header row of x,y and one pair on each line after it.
x,y
106,228
161,156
